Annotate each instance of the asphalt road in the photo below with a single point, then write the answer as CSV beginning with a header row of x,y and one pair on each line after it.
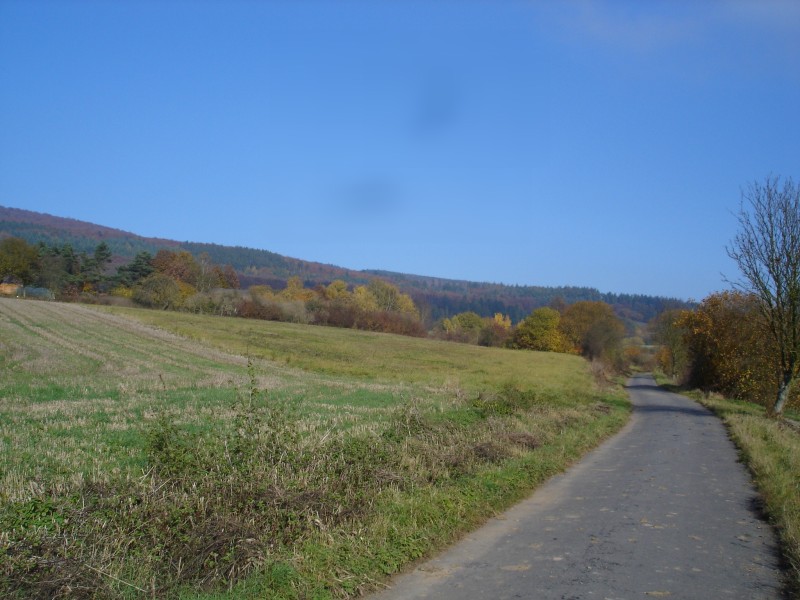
x,y
662,510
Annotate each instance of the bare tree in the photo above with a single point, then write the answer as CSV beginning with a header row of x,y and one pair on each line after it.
x,y
767,252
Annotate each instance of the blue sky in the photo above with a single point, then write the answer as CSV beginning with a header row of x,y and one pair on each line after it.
x,y
602,144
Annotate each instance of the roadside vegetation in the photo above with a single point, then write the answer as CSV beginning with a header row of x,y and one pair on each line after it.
x,y
745,345
179,281
150,453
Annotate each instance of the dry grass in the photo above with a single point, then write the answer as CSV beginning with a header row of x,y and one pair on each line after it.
x,y
137,460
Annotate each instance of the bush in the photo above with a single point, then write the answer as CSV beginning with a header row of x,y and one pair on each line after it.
x,y
158,291
333,313
291,311
391,322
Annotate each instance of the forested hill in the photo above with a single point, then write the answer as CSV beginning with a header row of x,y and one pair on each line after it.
x,y
37,227
436,296
448,296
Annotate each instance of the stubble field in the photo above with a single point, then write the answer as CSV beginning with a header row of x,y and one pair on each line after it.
x,y
171,455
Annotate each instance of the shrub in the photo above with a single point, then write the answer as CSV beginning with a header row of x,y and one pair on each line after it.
x,y
158,291
391,322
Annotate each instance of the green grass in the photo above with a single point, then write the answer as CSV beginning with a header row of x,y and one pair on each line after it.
x,y
167,454
368,356
771,450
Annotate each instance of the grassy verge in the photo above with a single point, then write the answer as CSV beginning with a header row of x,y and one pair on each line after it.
x,y
771,450
139,463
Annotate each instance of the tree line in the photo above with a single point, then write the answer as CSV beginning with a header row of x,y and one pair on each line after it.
x,y
588,328
436,298
59,268
70,274
745,342
178,280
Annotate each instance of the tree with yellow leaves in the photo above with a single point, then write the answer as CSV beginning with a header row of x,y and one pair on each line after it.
x,y
540,331
295,290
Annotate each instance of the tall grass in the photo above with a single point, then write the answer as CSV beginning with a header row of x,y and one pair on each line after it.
x,y
141,463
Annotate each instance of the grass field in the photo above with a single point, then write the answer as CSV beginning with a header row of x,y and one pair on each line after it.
x,y
148,453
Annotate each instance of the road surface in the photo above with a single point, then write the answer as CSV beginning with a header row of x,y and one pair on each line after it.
x,y
662,510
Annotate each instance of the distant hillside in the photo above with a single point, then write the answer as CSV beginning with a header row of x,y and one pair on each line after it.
x,y
436,296
37,227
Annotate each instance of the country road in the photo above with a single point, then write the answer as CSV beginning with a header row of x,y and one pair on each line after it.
x,y
662,510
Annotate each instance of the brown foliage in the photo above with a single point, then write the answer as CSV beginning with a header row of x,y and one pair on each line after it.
x,y
593,330
494,334
672,355
252,309
729,351
767,252
335,313
229,277
391,322
181,265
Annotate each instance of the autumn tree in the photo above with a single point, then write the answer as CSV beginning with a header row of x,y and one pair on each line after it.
x,y
381,296
380,306
672,356
389,298
540,331
207,275
463,327
336,290
158,291
181,265
295,290
593,330
502,321
229,277
19,260
496,330
262,292
364,301
335,305
726,349
767,252
466,321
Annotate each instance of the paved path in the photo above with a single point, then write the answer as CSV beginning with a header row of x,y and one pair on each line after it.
x,y
662,510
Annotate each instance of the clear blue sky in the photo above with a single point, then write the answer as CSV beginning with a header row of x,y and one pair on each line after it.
x,y
602,144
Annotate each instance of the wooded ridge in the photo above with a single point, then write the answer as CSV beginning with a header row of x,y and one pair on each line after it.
x,y
438,297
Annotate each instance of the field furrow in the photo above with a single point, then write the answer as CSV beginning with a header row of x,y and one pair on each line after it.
x,y
222,452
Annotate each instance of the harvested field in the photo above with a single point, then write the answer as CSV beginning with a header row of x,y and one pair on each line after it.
x,y
170,454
